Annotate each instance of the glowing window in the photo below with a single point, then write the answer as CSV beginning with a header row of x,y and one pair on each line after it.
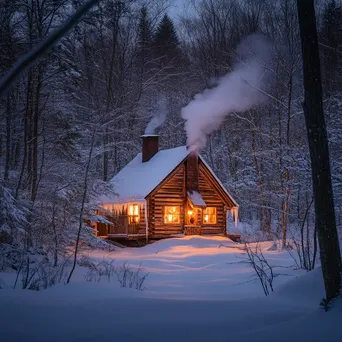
x,y
192,216
172,214
133,213
209,215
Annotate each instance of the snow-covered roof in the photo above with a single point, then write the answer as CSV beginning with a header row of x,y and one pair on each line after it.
x,y
137,179
196,199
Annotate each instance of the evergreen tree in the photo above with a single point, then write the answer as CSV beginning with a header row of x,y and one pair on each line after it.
x,y
166,37
145,32
145,37
166,48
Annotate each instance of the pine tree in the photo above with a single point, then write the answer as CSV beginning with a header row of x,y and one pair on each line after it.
x,y
166,46
145,33
166,37
144,46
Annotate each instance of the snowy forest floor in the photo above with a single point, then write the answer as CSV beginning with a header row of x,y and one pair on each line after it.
x,y
197,289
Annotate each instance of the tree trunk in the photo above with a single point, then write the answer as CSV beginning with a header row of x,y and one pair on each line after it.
x,y
319,151
265,219
26,129
53,223
35,137
8,138
29,119
84,197
285,208
286,202
105,155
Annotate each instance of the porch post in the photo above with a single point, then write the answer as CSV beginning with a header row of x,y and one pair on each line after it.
x,y
146,221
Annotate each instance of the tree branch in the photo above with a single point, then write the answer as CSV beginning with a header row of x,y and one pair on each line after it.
x,y
40,49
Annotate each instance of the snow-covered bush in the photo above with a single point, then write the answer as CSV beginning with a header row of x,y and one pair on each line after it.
x,y
131,277
263,270
127,275
36,271
12,229
98,270
302,245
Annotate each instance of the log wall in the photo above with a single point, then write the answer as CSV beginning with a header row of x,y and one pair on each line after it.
x,y
170,192
212,199
173,192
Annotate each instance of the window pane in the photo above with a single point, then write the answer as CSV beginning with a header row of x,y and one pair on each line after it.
x,y
130,210
172,214
209,215
133,213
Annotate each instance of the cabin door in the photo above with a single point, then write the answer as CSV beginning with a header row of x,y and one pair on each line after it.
x,y
192,217
192,225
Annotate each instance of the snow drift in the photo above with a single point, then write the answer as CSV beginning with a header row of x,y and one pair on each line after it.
x,y
242,88
168,308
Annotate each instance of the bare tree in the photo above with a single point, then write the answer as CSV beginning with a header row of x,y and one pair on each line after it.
x,y
83,201
319,151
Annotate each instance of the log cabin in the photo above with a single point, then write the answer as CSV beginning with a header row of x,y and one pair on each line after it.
x,y
166,193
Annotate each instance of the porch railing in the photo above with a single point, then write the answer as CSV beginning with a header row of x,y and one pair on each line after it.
x,y
121,226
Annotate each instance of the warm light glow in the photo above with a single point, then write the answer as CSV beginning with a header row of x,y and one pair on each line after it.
x,y
209,215
192,216
108,207
130,210
133,213
172,214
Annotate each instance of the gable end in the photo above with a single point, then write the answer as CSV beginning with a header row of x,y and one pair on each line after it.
x,y
221,190
167,178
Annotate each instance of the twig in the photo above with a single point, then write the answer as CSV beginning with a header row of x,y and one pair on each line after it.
x,y
41,48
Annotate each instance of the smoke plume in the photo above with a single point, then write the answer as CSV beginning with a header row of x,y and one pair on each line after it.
x,y
237,91
159,113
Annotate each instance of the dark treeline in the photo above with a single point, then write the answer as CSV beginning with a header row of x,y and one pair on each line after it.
x,y
97,89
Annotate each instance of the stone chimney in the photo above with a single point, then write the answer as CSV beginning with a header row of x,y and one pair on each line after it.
x,y
149,146
192,172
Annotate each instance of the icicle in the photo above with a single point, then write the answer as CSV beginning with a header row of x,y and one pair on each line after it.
x,y
235,212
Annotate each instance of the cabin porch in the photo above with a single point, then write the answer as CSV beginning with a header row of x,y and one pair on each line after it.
x,y
121,227
142,237
121,230
166,214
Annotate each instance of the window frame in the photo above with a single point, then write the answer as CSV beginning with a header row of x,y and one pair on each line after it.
x,y
131,217
179,215
204,213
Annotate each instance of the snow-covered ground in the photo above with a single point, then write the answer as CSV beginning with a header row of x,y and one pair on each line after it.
x,y
200,268
198,289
